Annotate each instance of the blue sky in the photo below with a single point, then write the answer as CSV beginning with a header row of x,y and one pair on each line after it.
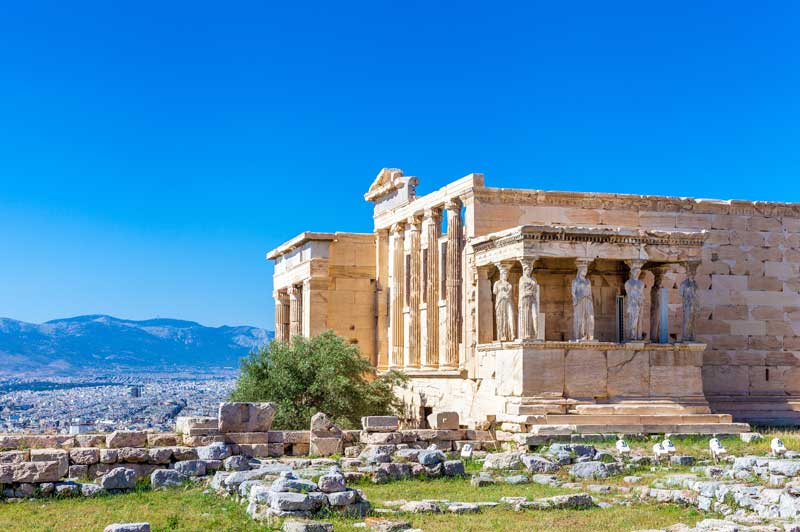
x,y
152,152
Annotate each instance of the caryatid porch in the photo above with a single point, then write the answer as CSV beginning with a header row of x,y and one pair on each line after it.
x,y
572,324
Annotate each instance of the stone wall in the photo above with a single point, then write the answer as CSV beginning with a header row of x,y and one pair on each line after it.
x,y
748,277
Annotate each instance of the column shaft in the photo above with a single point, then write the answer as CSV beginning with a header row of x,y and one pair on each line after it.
x,y
434,230
396,296
281,317
295,312
453,295
415,291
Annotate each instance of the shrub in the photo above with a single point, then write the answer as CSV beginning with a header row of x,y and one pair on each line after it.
x,y
320,374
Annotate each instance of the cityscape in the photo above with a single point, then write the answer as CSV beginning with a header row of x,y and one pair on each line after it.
x,y
104,401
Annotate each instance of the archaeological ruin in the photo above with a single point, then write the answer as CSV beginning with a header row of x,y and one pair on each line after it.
x,y
562,312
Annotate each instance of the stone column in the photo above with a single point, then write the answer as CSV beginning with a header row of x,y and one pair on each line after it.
x,y
396,296
453,295
434,229
383,342
657,305
281,316
415,291
690,301
295,311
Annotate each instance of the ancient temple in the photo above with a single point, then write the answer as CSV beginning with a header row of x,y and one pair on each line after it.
x,y
562,311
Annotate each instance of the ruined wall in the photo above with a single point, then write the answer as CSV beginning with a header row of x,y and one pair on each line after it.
x,y
748,278
351,298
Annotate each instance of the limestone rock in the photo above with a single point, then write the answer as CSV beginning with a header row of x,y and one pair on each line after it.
x,y
443,421
380,423
236,463
586,470
420,507
539,464
293,525
246,417
454,468
215,451
52,455
84,456
33,472
431,458
509,460
128,527
331,482
119,478
163,478
126,438
90,490
190,468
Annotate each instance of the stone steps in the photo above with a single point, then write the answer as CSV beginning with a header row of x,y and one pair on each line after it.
x,y
686,428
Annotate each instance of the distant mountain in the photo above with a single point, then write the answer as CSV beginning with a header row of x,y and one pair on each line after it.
x,y
70,344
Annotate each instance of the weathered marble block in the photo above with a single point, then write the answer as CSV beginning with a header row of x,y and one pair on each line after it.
x,y
126,438
379,423
246,417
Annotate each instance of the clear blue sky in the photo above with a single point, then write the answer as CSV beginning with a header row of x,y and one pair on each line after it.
x,y
152,152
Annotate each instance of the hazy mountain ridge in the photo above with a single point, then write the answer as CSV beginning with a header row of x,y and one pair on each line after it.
x,y
70,344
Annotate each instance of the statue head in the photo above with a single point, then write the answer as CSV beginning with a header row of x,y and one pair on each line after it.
x,y
527,267
583,269
503,269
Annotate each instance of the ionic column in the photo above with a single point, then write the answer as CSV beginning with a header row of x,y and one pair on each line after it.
x,y
658,330
453,294
415,290
396,296
295,311
383,342
281,316
434,229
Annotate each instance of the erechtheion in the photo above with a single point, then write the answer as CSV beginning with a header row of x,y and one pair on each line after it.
x,y
554,311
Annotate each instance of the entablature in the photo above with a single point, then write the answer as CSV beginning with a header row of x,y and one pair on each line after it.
x,y
544,241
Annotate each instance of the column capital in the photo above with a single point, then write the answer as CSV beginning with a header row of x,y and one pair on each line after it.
x,y
414,222
453,204
691,267
293,291
398,227
433,213
383,231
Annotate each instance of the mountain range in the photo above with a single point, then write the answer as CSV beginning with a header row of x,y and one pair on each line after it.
x,y
65,346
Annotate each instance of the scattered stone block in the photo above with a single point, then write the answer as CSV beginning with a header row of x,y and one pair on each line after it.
x,y
420,507
215,451
443,421
119,478
587,470
508,460
380,423
128,527
378,524
246,417
292,525
190,468
163,478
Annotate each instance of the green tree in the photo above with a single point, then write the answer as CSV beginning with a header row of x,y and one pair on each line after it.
x,y
320,374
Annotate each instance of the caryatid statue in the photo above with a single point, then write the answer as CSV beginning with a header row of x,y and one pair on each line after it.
x,y
582,304
503,305
528,302
634,302
691,302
